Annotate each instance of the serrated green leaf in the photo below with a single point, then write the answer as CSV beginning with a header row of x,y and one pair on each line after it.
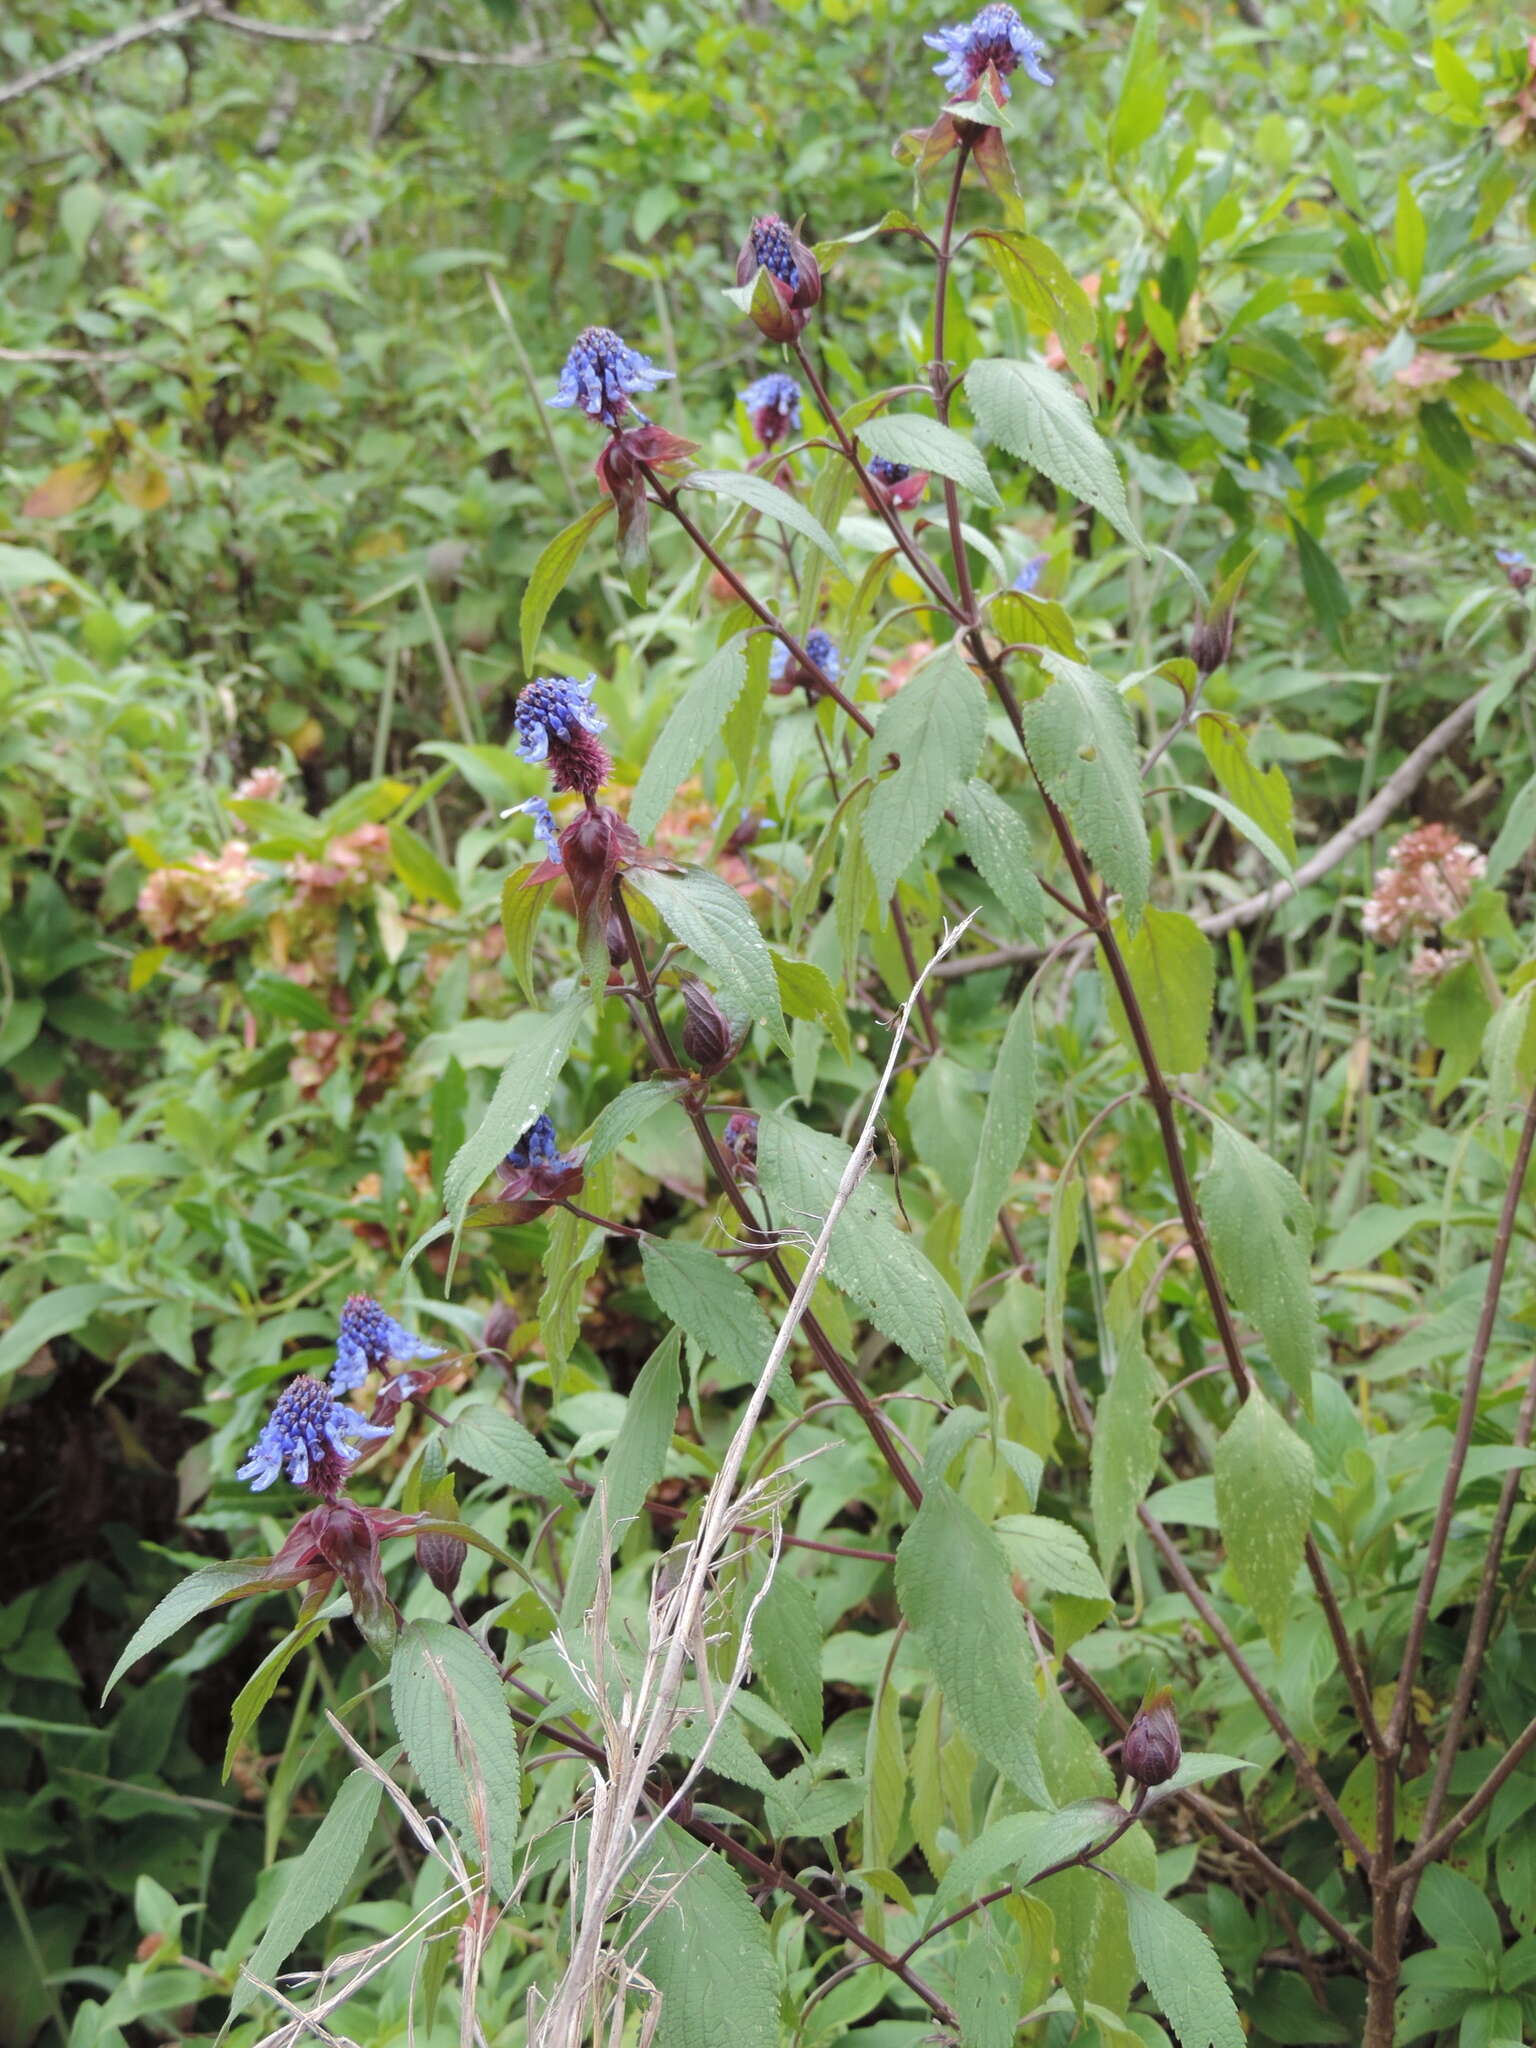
x,y
713,1306
1023,1844
315,1881
452,1715
490,1441
1260,1227
977,1646
878,1266
708,916
1052,1554
1263,1475
551,573
61,1310
744,488
1034,277
1181,1971
211,1587
998,841
261,1685
633,1465
1082,742
936,726
1005,1132
706,1951
1037,416
1325,588
1125,1451
1143,94
1172,966
698,715
944,1114
922,443
1509,1052
522,1094
621,1118
786,1654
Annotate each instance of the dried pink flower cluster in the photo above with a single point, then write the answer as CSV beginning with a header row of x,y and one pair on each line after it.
x,y
1429,878
179,904
263,785
348,868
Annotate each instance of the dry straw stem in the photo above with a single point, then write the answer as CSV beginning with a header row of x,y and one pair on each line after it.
x,y
638,1732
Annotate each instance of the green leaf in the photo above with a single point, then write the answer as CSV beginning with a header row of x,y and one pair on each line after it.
x,y
1516,834
211,1587
936,727
1263,1475
695,719
711,1304
1143,95
977,1645
423,874
523,1092
757,492
1260,1227
274,995
706,1951
633,1465
314,1882
490,1441
550,575
809,994
1181,1971
261,1685
1082,742
521,909
786,1653
1125,1452
1172,966
988,1988
921,443
1004,1134
1323,584
713,921
876,1264
998,841
1456,1913
944,1113
1264,799
51,1315
29,568
1034,277
1037,416
1509,1052
1409,236
1024,1844
621,1118
1052,1554
451,1711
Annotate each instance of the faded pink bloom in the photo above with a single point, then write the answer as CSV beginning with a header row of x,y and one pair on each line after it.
x,y
180,903
1429,878
262,785
349,867
1429,963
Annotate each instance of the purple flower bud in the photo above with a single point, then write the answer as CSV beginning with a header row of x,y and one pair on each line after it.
x,y
995,36
708,1039
536,1172
783,674
1515,567
311,1437
888,472
1210,643
600,374
1152,1751
773,406
773,247
555,721
442,1559
537,1147
367,1341
741,1144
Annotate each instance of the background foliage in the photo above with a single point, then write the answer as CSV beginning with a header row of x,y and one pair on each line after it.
x,y
278,324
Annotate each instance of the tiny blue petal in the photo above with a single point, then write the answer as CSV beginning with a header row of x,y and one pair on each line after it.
x,y
368,1339
537,1146
995,36
543,822
1509,558
1028,578
309,1427
553,707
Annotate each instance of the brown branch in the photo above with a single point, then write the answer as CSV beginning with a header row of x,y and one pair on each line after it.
x,y
88,54
1432,1850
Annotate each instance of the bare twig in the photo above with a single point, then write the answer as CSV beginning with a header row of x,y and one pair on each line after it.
x,y
90,54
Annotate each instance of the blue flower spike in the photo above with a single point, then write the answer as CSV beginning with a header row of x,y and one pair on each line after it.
x,y
312,1437
544,825
367,1341
601,375
773,406
556,723
995,36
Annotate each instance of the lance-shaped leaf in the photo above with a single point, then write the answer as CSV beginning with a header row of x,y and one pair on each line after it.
x,y
695,719
953,1584
713,921
522,1094
744,488
1260,1227
314,1882
1083,745
551,573
1173,973
1004,1135
935,727
1036,415
921,443
1125,1446
451,1711
1182,1973
1263,1476
998,841
706,1950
